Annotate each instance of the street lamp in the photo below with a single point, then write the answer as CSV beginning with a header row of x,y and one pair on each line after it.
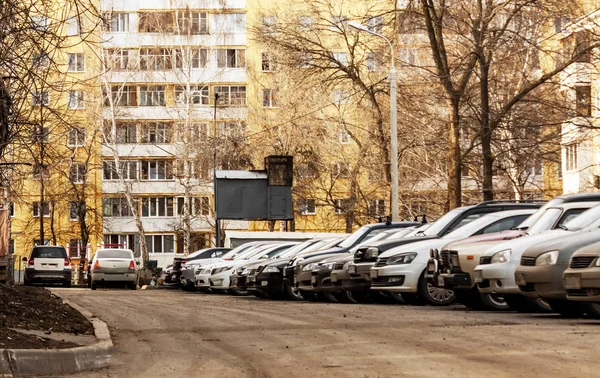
x,y
393,121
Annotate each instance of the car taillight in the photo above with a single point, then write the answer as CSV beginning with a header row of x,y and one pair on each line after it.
x,y
30,262
228,259
131,265
183,262
67,262
96,265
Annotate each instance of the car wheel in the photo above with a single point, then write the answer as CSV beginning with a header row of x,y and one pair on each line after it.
x,y
413,299
566,308
526,305
132,286
436,296
494,302
260,295
310,296
94,285
67,284
292,293
358,296
396,298
593,310
239,293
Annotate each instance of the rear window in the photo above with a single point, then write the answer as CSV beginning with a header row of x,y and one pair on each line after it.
x,y
114,254
49,253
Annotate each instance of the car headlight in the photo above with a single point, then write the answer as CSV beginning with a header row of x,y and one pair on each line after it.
x,y
371,253
308,267
597,261
403,258
295,262
501,256
271,269
547,258
244,271
454,260
328,266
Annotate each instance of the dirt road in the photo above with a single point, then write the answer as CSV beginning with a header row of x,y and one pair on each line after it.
x,y
164,333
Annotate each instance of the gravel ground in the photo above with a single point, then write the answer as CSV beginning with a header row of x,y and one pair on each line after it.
x,y
165,333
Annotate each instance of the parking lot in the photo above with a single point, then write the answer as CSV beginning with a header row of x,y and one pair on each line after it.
x,y
169,333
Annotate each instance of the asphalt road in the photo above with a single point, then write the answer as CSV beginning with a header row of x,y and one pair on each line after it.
x,y
164,333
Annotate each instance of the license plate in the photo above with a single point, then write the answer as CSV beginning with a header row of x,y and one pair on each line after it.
x,y
374,273
573,281
478,276
440,281
264,283
352,269
313,280
334,277
520,279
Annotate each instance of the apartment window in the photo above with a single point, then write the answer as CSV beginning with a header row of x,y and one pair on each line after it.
x,y
40,172
341,58
120,59
156,132
338,22
583,100
267,63
39,23
582,47
155,59
339,96
157,170
408,56
197,131
76,137
157,207
45,209
40,60
123,95
377,208
231,22
156,22
77,173
343,135
117,22
196,206
306,23
160,243
307,170
269,98
231,129
127,133
307,206
375,24
40,135
40,98
231,95
269,25
231,58
74,210
191,58
192,22
116,207
341,205
152,95
129,170
73,26
11,209
76,247
373,62
571,156
340,170
76,99
197,95
76,62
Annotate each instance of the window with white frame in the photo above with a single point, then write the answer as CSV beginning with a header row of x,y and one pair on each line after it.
x,y
234,95
340,169
155,22
341,205
76,99
196,206
269,98
191,58
305,23
307,206
152,95
39,23
45,209
341,58
269,26
189,22
343,135
73,26
40,98
129,170
116,207
373,62
117,22
194,131
339,96
571,156
377,208
156,59
40,172
231,129
408,55
157,207
338,22
160,243
40,60
126,133
76,137
267,62
76,62
156,132
74,210
123,95
77,173
40,134
230,22
121,59
197,95
157,170
375,24
231,58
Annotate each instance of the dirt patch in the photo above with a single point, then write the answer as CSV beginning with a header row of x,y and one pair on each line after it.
x,y
36,308
10,339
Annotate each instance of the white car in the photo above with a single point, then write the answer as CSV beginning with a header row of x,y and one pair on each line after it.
x,y
402,269
495,273
113,266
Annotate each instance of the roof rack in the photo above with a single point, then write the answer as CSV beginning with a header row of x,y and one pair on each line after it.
x,y
485,203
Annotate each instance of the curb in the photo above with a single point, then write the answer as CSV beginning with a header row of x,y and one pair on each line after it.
x,y
15,362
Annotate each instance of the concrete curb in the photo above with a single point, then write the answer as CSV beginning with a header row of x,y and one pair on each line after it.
x,y
17,362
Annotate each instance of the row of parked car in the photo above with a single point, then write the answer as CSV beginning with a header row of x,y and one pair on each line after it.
x,y
522,255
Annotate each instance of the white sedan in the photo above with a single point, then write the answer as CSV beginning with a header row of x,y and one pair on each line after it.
x,y
113,266
402,269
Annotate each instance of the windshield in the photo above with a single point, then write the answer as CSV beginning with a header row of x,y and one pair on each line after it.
x,y
588,219
49,253
544,222
471,227
440,224
237,250
279,249
196,254
114,254
527,223
299,248
352,239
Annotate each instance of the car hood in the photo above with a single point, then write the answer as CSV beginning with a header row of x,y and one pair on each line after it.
x,y
566,245
517,246
419,247
493,237
336,258
318,258
588,250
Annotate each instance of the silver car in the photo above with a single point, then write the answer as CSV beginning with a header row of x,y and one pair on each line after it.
x,y
112,267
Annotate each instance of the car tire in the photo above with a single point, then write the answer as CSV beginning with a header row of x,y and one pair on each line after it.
x,y
567,309
475,300
358,296
593,310
310,296
494,302
94,285
432,295
526,305
67,284
132,286
239,293
396,298
292,293
413,299
261,295
26,283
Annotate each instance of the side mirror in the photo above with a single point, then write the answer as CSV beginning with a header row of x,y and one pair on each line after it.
x,y
24,259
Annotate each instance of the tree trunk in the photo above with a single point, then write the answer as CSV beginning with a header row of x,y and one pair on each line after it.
x,y
486,131
454,158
